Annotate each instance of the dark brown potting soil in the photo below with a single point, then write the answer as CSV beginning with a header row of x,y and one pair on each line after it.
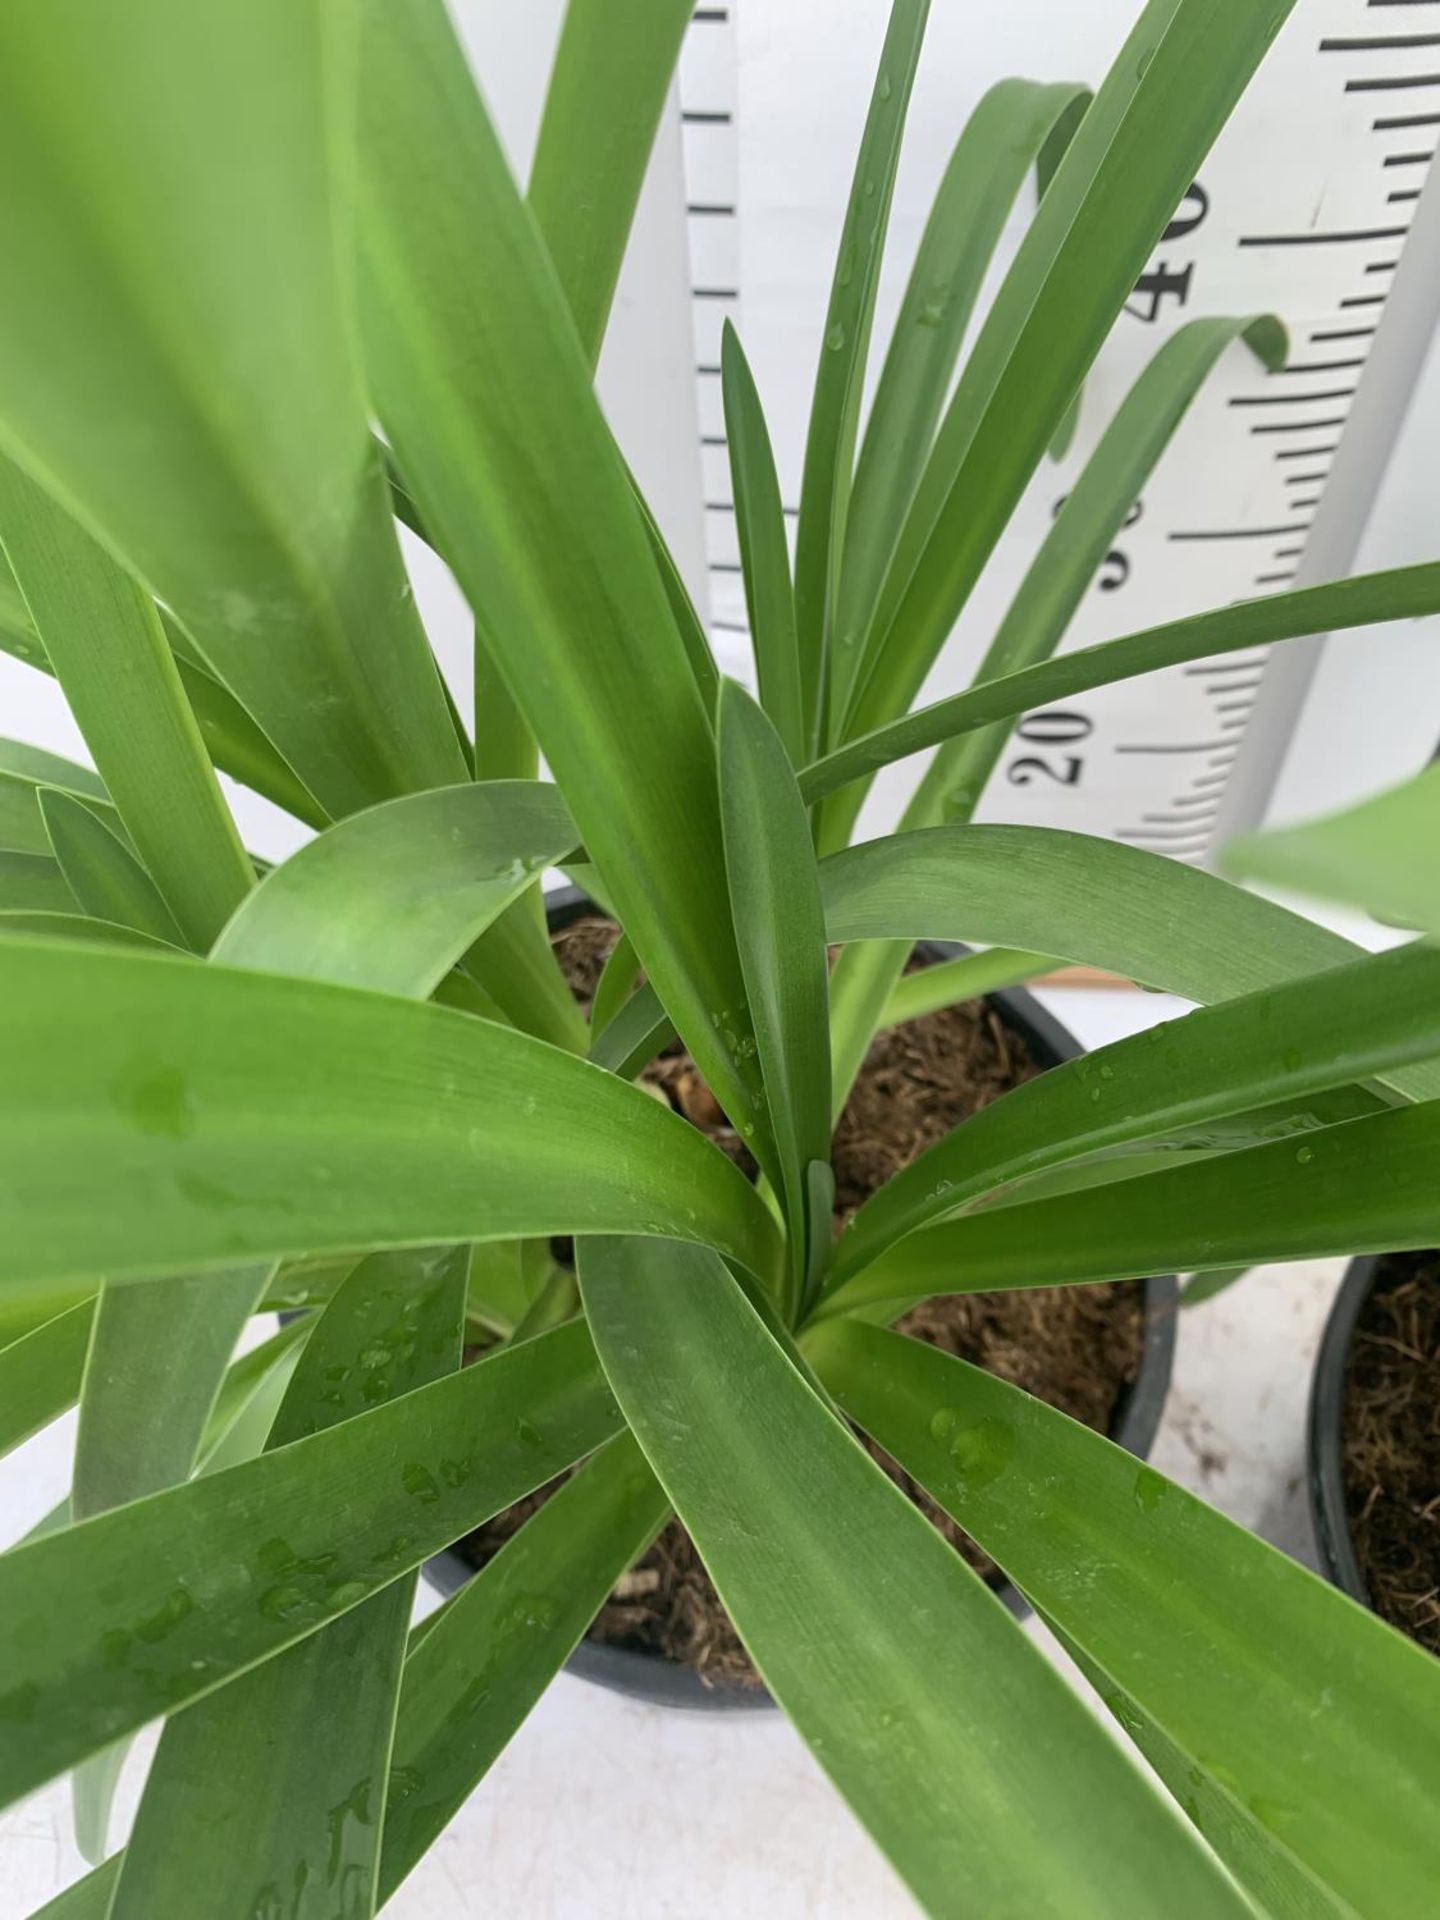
x,y
1392,1444
1076,1347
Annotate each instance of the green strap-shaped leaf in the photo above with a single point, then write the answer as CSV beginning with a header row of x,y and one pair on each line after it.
x,y
612,71
1014,123
1094,902
532,505
477,1668
840,377
33,883
505,748
147,1400
104,876
40,1373
181,376
391,898
929,989
205,1580
232,739
474,1676
619,978
1400,594
513,965
277,1780
1273,1877
1365,1187
930,1711
77,926
1072,551
1312,1715
1383,855
156,1360
1204,1286
775,900
1275,1048
682,607
1032,629
639,1031
764,552
24,769
1132,159
214,1117
103,637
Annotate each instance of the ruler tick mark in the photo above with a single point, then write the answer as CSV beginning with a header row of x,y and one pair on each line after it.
x,y
1320,366
1356,234
1345,333
1300,426
1397,84
1363,300
1239,533
1304,480
1291,399
1197,746
1304,453
1410,159
1388,123
1406,193
1377,43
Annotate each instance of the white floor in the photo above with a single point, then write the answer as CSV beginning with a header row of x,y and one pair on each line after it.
x,y
606,1810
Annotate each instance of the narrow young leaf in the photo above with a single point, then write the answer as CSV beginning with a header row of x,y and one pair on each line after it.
x,y
764,552
104,876
1400,594
1075,546
181,377
214,1116
532,504
213,1577
40,1373
971,976
1299,1702
612,71
104,641
775,901
840,377
930,1711
1014,123
1132,158
618,980
1383,855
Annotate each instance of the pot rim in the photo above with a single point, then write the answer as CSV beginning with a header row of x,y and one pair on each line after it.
x,y
670,1683
1325,1433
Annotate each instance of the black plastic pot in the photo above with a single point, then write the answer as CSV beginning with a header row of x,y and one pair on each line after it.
x,y
1325,1436
669,1683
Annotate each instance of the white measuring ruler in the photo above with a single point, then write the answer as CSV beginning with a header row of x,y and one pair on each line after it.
x,y
1310,206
